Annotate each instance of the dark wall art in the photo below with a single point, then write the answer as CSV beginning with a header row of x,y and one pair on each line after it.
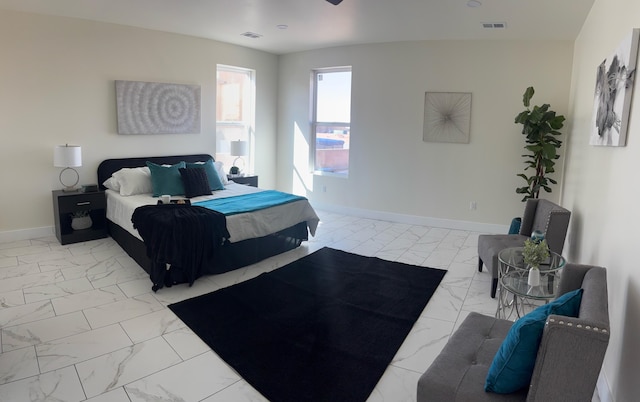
x,y
614,89
447,117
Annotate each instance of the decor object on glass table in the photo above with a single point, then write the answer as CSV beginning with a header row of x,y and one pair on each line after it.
x,y
67,157
614,89
447,117
534,254
238,149
540,126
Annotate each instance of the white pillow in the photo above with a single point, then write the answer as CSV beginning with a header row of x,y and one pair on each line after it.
x,y
112,184
220,169
134,180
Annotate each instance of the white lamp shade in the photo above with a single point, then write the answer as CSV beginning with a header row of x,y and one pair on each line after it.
x,y
67,156
238,148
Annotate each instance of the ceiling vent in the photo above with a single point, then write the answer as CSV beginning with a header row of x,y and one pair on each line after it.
x,y
494,25
251,35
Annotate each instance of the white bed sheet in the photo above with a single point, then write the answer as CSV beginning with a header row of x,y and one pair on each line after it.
x,y
240,226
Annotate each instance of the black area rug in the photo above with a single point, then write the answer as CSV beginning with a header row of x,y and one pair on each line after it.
x,y
323,328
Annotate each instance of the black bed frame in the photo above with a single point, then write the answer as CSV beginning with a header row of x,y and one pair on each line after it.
x,y
231,256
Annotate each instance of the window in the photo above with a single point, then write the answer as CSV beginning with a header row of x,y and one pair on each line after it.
x,y
331,120
235,105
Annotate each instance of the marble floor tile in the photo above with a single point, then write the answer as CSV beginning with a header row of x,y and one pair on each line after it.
x,y
59,385
80,322
239,391
26,313
111,313
36,332
27,281
85,300
186,343
18,270
57,289
136,287
18,364
115,395
11,299
422,345
397,385
151,325
106,372
192,380
446,302
74,349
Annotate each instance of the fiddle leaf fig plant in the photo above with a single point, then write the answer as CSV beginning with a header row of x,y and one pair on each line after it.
x,y
540,127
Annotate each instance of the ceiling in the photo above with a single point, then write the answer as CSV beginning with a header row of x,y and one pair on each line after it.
x,y
314,24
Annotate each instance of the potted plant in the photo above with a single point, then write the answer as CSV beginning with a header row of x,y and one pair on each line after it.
x,y
81,220
540,127
534,254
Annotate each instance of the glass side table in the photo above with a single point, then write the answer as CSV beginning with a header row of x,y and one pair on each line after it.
x,y
516,297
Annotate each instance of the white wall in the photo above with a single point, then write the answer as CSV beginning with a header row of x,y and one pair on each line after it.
x,y
601,188
57,86
392,169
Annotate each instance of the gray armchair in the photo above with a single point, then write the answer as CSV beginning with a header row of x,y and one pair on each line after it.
x,y
543,215
568,361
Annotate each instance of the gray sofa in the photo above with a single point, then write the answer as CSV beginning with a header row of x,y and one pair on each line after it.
x,y
539,214
569,357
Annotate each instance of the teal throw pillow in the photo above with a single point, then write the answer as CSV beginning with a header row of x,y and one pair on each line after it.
x,y
512,366
212,175
166,179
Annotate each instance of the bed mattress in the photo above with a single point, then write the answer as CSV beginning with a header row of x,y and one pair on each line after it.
x,y
240,226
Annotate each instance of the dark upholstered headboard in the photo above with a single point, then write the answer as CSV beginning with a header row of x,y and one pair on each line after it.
x,y
110,166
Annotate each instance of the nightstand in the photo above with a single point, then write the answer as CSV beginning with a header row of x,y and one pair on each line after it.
x,y
66,204
251,180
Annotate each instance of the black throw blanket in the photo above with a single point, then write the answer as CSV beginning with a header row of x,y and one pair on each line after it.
x,y
181,235
323,328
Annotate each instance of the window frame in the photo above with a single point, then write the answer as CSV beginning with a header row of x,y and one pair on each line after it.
x,y
314,121
247,123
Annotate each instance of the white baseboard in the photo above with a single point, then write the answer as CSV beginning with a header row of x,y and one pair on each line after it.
x,y
414,220
25,234
34,233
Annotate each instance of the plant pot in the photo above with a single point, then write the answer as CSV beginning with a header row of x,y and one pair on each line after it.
x,y
80,223
534,276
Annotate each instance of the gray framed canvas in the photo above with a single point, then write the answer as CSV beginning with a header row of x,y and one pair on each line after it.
x,y
614,88
157,108
447,117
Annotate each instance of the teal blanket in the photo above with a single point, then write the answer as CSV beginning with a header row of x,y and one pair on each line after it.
x,y
249,202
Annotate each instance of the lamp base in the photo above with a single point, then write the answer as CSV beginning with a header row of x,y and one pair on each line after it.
x,y
67,187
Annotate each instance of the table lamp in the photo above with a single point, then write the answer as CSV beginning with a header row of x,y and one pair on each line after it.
x,y
238,149
67,157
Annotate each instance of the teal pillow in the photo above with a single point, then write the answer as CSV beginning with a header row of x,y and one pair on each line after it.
x,y
212,174
512,366
166,179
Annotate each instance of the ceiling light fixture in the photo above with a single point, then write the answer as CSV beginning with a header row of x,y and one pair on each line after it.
x,y
282,26
494,25
251,35
473,3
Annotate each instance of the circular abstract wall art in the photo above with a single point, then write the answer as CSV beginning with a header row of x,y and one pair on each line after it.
x,y
157,108
447,117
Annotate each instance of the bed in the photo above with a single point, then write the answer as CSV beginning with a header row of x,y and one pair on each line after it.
x,y
254,236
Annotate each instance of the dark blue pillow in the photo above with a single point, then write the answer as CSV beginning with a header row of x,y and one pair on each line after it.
x,y
212,176
166,179
512,366
195,182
